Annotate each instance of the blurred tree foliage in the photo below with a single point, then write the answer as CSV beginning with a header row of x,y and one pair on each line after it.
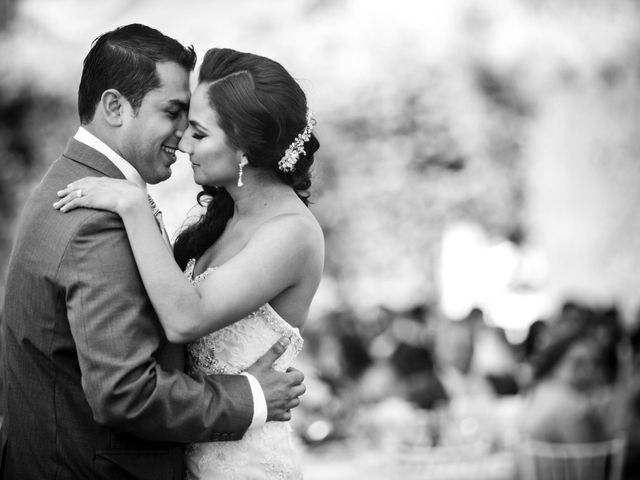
x,y
33,126
7,12
408,157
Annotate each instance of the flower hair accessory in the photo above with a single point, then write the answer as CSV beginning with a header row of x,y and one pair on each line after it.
x,y
288,162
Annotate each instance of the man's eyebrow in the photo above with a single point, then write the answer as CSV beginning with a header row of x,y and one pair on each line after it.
x,y
180,104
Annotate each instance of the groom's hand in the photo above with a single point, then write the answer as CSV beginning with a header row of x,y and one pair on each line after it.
x,y
281,389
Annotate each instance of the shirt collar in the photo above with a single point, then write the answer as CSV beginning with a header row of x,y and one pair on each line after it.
x,y
128,170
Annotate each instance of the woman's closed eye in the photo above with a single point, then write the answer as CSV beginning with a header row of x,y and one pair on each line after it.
x,y
197,136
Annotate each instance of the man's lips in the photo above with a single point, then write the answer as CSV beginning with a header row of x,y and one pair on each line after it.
x,y
170,150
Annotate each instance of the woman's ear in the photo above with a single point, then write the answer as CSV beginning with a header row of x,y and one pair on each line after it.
x,y
111,106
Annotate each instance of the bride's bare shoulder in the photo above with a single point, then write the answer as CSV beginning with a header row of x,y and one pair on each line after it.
x,y
294,232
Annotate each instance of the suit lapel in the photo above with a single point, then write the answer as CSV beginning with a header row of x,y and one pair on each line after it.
x,y
169,355
84,154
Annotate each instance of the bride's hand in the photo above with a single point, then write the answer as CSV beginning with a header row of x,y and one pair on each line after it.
x,y
101,193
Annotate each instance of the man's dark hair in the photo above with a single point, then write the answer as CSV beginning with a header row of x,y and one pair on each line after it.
x,y
125,59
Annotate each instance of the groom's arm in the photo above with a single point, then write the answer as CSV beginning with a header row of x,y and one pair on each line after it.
x,y
117,336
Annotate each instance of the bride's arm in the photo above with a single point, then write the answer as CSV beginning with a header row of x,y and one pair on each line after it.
x,y
167,286
275,258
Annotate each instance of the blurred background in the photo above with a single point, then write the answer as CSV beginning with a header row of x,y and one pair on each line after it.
x,y
478,184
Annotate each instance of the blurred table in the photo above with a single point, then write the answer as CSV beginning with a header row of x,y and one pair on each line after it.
x,y
395,441
441,463
454,465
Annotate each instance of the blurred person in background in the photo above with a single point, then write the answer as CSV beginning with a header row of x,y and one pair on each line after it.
x,y
246,272
563,405
536,340
469,413
455,349
418,381
94,389
341,355
495,360
610,335
631,407
572,317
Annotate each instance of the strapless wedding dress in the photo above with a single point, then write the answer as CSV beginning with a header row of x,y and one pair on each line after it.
x,y
264,453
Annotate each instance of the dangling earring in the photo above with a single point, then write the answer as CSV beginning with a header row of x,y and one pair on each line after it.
x,y
242,163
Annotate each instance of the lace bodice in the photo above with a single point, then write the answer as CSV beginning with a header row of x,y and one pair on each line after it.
x,y
263,453
235,347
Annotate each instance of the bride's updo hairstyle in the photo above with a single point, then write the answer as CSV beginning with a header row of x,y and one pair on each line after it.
x,y
262,111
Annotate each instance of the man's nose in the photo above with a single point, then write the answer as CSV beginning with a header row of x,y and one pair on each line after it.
x,y
183,124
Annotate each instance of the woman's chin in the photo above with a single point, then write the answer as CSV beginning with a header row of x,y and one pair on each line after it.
x,y
209,181
197,179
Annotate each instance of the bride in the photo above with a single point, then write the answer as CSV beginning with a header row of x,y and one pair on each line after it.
x,y
244,275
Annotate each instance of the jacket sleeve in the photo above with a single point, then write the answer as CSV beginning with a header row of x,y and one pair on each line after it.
x,y
118,340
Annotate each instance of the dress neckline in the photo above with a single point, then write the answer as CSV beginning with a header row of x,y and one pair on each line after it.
x,y
189,273
191,266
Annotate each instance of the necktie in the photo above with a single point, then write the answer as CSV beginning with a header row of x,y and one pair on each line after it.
x,y
158,215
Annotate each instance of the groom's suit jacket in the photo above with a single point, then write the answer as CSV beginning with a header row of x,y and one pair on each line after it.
x,y
93,390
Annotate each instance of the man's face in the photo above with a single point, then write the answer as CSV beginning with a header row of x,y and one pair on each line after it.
x,y
149,138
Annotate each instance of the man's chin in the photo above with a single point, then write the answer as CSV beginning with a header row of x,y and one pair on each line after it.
x,y
159,177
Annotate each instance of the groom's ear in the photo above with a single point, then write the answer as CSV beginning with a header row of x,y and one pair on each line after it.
x,y
112,107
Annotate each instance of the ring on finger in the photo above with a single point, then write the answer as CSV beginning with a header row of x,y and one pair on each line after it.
x,y
79,192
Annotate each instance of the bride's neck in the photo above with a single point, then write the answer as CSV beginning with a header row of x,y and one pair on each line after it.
x,y
262,190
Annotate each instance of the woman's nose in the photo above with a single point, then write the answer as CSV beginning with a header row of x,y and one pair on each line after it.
x,y
185,145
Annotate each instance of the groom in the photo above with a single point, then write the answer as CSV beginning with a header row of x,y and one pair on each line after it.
x,y
93,388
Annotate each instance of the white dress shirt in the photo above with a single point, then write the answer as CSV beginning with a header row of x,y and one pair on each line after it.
x,y
131,174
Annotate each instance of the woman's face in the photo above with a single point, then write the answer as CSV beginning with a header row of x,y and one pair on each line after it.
x,y
214,161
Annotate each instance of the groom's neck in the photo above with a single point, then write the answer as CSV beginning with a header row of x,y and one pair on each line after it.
x,y
104,133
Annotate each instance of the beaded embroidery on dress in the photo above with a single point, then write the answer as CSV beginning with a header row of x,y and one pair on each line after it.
x,y
263,453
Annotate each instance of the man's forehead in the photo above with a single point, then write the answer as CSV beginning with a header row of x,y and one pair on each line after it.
x,y
174,82
169,97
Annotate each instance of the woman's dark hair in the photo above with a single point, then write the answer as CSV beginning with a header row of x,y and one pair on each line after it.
x,y
261,109
125,59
